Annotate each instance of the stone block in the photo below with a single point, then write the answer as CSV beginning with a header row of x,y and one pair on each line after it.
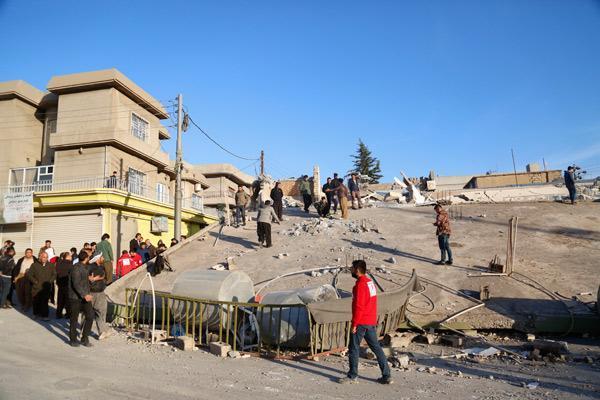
x,y
219,349
185,343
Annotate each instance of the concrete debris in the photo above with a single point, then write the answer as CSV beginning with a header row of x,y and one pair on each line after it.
x,y
382,269
399,361
219,349
427,338
546,347
531,385
391,260
281,256
185,343
482,352
453,340
530,337
512,194
398,340
218,267
316,226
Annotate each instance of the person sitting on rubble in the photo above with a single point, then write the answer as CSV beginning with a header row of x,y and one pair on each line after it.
x,y
364,325
266,214
161,262
443,231
322,207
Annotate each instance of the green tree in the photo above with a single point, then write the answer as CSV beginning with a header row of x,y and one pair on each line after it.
x,y
365,163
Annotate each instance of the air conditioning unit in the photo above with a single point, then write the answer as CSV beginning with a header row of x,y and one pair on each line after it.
x,y
197,187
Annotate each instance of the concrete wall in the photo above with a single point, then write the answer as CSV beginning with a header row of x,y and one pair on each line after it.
x,y
21,135
71,165
522,178
97,116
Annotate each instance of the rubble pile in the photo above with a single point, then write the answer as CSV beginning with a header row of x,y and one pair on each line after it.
x,y
315,226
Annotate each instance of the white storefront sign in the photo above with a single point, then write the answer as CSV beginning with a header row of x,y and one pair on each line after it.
x,y
17,208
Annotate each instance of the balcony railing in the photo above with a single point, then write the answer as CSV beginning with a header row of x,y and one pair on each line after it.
x,y
133,187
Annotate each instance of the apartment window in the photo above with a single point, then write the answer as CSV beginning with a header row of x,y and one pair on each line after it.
x,y
196,202
162,193
139,127
136,182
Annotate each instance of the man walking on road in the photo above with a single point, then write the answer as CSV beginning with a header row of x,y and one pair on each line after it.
x,y
241,202
570,183
105,248
364,325
81,301
266,214
306,192
443,231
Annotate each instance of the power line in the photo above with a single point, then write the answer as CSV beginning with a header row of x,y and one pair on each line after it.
x,y
215,142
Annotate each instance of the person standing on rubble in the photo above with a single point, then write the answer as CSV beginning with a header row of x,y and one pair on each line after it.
x,y
306,193
354,188
266,214
277,197
342,193
570,183
443,231
335,183
241,202
364,325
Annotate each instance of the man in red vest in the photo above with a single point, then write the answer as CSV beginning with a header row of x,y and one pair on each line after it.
x,y
364,324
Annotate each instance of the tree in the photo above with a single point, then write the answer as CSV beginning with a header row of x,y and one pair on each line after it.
x,y
366,164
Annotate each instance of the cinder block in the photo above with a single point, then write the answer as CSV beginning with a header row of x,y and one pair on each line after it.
x,y
185,343
219,349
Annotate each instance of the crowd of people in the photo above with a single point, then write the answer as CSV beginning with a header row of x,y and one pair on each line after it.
x,y
74,281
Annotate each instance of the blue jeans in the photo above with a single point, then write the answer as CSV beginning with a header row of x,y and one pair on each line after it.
x,y
444,243
369,333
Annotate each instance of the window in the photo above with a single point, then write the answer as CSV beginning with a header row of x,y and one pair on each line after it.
x,y
136,182
162,193
139,127
197,202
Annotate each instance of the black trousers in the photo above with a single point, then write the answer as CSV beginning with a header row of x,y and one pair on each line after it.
x,y
78,306
278,208
40,302
307,198
264,233
62,302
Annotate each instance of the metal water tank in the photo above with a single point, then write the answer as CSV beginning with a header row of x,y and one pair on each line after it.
x,y
231,286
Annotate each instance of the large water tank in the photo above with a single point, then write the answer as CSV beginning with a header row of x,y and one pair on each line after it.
x,y
289,326
232,286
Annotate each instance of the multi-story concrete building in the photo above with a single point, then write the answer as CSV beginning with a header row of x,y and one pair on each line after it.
x,y
224,180
90,151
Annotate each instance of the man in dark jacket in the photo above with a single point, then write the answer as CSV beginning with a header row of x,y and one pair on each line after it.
x,y
42,275
99,301
306,192
20,280
135,242
354,188
364,324
63,269
570,183
7,266
277,197
81,301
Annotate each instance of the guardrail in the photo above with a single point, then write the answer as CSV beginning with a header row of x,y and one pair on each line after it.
x,y
265,329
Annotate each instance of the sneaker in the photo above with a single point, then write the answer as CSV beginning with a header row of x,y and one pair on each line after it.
x,y
442,262
385,380
347,380
449,262
74,344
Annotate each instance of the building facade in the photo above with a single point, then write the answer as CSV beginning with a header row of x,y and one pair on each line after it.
x,y
90,151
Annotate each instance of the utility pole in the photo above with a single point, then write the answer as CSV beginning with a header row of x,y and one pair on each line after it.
x,y
262,162
178,168
514,167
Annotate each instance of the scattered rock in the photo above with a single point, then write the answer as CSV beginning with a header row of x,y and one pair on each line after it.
x,y
219,349
185,343
218,267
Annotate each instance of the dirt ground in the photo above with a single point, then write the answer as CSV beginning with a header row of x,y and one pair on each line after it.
x,y
36,363
558,246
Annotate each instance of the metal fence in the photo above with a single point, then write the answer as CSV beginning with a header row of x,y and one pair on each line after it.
x,y
264,329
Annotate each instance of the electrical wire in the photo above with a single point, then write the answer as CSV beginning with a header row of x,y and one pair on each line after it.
x,y
218,144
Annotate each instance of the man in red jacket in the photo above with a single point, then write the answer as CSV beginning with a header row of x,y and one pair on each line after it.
x,y
364,324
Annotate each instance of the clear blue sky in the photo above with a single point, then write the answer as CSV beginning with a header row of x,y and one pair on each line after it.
x,y
444,85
